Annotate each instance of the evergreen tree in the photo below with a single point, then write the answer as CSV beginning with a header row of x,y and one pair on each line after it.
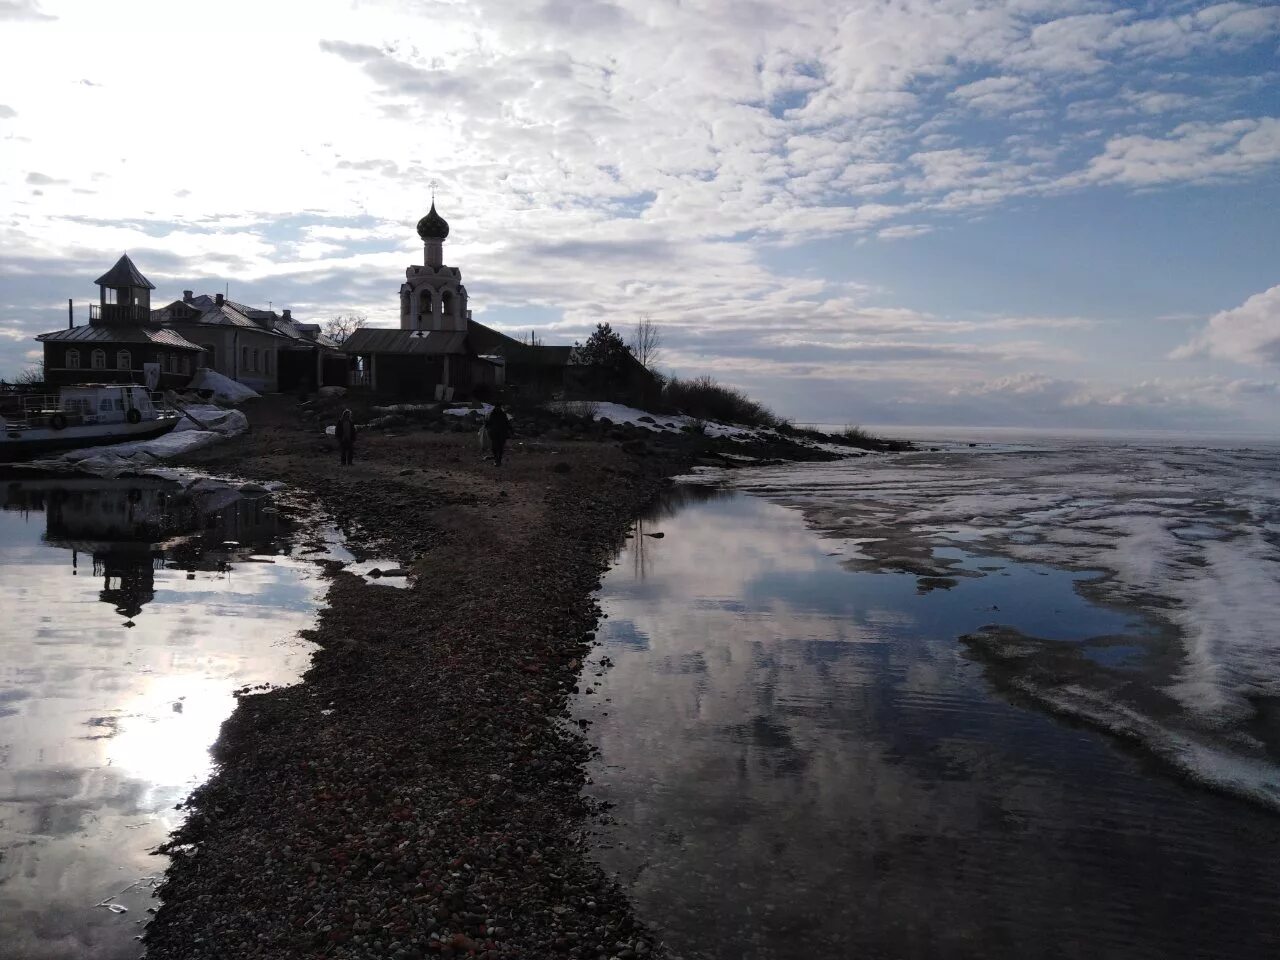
x,y
604,348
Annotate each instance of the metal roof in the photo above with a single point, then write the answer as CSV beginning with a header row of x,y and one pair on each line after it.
x,y
124,274
207,312
118,333
382,340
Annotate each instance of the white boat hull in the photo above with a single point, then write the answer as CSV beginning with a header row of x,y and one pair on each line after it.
x,y
24,443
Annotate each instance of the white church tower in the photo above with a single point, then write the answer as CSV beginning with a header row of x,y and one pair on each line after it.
x,y
432,296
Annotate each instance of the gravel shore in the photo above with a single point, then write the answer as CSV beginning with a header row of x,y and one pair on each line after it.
x,y
419,793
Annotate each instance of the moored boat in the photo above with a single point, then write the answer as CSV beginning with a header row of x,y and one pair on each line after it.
x,y
84,415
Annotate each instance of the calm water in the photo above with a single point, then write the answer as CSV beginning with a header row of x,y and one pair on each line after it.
x,y
132,611
803,762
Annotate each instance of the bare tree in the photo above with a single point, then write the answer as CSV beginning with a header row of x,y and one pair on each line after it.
x,y
646,343
534,340
31,376
341,327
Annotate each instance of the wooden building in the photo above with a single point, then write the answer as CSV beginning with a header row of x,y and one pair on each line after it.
x,y
121,343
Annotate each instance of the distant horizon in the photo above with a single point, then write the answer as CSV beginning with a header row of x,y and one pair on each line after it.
x,y
1065,432
1049,212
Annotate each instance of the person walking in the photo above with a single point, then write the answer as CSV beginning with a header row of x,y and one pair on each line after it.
x,y
346,434
498,426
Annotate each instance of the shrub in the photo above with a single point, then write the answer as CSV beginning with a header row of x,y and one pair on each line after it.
x,y
585,409
855,434
704,399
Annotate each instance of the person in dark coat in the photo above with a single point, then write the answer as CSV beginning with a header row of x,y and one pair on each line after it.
x,y
346,434
498,426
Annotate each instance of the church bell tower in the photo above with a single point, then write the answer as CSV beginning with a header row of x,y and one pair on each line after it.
x,y
432,296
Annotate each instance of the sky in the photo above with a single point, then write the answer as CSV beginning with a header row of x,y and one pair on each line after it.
x,y
1040,213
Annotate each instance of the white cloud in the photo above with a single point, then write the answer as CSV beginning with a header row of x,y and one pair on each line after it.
x,y
1193,152
598,159
1249,333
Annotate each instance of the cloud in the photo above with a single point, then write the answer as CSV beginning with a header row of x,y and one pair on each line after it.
x,y
1193,152
23,10
997,94
1249,333
904,230
7,112
744,172
37,178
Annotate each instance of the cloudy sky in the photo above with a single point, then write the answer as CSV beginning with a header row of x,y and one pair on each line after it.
x,y
1036,212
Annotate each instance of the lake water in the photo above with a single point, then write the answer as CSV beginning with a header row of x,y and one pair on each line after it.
x,y
805,760
132,611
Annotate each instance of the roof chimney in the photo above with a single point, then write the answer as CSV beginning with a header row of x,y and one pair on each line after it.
x,y
187,296
287,314
217,299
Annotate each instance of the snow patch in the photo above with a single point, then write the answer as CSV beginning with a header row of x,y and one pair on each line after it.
x,y
136,455
1186,535
225,390
659,423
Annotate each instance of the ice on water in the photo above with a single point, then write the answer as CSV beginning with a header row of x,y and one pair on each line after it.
x,y
1189,536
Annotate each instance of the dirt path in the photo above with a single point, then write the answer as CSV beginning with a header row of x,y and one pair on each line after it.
x,y
419,794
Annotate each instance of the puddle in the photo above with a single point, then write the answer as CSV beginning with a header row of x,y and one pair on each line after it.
x,y
803,762
132,610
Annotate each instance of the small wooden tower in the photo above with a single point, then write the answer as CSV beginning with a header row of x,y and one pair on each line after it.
x,y
125,297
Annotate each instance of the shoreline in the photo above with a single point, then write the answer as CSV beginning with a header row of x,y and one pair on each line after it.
x,y
418,793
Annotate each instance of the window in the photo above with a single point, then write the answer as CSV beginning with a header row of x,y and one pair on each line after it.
x,y
123,360
270,357
73,359
104,406
186,363
208,354
244,357
254,365
99,361
171,362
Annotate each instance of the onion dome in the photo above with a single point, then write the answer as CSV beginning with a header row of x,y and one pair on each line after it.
x,y
433,226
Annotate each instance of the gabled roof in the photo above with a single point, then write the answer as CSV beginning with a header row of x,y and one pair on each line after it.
x,y
205,311
124,274
382,340
120,333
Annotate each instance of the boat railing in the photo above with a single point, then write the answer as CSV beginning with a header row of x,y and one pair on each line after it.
x,y
33,410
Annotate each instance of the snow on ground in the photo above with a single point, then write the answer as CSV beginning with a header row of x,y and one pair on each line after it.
x,y
404,408
139,455
211,417
1186,537
483,410
225,390
620,413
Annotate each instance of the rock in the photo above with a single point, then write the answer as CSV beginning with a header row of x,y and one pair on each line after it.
x,y
657,536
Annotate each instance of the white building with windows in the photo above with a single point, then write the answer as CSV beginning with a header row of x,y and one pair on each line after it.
x,y
262,349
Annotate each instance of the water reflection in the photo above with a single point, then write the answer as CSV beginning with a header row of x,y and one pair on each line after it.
x,y
133,609
803,764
